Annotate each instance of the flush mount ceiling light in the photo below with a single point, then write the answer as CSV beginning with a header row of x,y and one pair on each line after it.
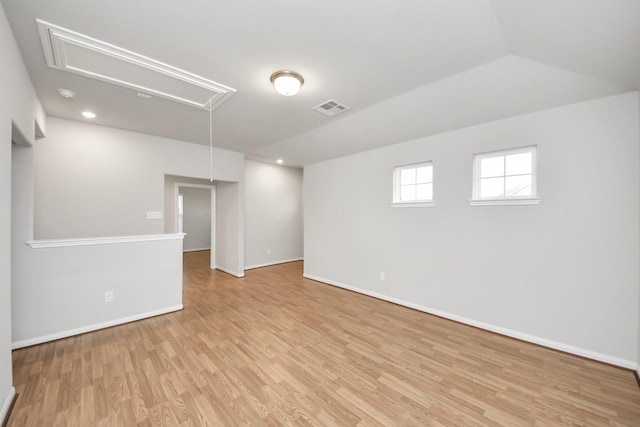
x,y
287,83
89,115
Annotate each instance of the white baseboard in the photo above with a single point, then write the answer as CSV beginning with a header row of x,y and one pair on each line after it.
x,y
267,264
589,354
229,271
196,250
94,327
4,412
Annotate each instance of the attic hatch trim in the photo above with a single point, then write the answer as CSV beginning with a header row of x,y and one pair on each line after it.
x,y
60,45
331,108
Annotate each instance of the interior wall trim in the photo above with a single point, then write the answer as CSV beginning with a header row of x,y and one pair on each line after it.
x,y
229,271
6,406
94,327
60,243
589,354
267,264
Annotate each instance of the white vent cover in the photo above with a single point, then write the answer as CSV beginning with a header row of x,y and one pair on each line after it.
x,y
331,108
79,54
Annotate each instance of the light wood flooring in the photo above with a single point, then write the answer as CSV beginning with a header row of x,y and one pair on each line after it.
x,y
276,349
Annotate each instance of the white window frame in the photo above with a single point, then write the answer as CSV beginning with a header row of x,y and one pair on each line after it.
x,y
532,199
425,203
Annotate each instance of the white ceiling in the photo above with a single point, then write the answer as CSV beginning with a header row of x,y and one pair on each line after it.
x,y
406,68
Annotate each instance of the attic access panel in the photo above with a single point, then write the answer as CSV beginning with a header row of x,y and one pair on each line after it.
x,y
79,54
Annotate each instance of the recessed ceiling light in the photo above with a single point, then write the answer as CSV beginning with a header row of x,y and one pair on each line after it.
x,y
280,161
287,83
66,93
88,115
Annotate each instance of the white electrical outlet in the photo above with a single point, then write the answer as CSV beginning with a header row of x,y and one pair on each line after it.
x,y
108,296
382,275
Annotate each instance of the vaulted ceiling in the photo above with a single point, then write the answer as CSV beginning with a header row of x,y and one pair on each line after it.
x,y
406,68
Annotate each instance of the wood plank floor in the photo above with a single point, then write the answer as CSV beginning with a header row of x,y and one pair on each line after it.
x,y
276,349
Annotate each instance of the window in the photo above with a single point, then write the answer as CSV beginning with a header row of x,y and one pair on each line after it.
x,y
505,177
413,185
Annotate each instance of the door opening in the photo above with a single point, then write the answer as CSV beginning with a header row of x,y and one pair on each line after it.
x,y
195,219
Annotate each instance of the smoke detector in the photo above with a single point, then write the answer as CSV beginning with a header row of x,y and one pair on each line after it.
x,y
66,93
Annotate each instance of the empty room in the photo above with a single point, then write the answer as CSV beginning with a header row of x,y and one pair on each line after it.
x,y
357,213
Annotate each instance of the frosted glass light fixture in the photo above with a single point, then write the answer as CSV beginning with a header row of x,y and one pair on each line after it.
x,y
89,115
287,83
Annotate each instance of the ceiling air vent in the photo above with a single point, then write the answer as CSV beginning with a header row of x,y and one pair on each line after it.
x,y
76,53
331,108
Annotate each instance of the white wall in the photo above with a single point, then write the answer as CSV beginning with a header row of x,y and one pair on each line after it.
x,y
229,208
93,181
274,215
6,383
196,218
563,273
98,181
62,293
20,109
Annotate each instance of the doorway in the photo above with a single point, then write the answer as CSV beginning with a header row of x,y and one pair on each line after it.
x,y
227,219
195,215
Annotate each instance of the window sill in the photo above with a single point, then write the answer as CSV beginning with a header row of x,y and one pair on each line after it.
x,y
503,202
412,204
